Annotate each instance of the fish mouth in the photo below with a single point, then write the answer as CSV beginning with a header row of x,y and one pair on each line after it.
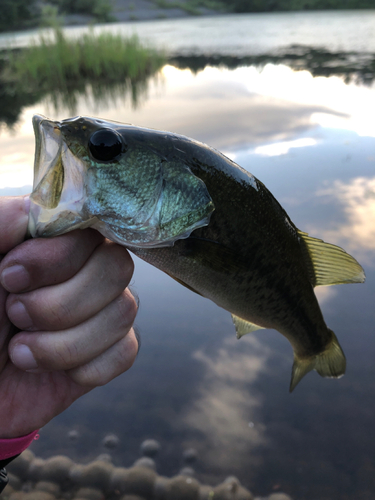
x,y
58,194
48,143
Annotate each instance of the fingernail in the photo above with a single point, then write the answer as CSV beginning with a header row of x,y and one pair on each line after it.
x,y
23,358
15,278
19,316
138,337
26,200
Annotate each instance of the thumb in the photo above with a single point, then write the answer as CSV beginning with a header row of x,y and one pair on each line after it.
x,y
14,213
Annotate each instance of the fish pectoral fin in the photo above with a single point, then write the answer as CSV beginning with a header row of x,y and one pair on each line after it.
x,y
243,327
330,363
184,284
329,264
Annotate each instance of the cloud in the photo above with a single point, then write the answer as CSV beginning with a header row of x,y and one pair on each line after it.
x,y
358,200
225,411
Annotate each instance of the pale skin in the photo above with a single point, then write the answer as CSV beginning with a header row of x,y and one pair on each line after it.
x,y
69,297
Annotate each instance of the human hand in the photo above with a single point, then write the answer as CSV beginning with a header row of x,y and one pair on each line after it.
x,y
68,297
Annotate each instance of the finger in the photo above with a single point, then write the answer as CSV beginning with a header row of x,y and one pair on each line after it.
x,y
105,275
13,221
46,261
71,348
116,360
4,329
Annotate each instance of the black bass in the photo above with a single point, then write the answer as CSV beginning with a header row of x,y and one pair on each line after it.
x,y
196,215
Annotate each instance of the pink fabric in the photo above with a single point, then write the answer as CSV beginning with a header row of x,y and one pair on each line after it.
x,y
11,447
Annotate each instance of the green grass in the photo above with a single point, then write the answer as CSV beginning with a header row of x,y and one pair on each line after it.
x,y
59,62
102,68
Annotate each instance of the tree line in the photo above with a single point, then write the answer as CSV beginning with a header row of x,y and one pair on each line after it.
x,y
18,14
283,5
21,14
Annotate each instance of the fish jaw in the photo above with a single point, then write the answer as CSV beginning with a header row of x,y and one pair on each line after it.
x,y
58,196
138,198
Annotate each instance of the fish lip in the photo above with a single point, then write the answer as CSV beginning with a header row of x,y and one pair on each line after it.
x,y
45,132
52,212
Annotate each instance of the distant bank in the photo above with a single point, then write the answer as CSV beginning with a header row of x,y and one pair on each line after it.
x,y
23,14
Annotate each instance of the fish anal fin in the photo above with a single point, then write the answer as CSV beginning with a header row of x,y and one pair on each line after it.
x,y
330,363
243,327
329,264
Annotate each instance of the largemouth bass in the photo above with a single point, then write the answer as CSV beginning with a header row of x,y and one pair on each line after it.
x,y
196,215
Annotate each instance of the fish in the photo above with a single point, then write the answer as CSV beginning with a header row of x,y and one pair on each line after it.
x,y
190,211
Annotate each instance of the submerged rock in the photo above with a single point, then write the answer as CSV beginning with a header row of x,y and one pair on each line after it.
x,y
59,478
183,488
35,468
135,481
231,488
150,448
73,435
20,465
89,494
190,455
111,441
279,496
145,462
96,474
14,481
56,469
48,487
187,471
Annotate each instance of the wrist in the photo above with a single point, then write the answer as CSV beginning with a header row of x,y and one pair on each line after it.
x,y
15,446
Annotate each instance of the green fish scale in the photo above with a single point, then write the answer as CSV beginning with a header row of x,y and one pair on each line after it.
x,y
128,190
261,281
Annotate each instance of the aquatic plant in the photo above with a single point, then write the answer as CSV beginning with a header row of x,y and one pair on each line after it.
x,y
56,62
101,68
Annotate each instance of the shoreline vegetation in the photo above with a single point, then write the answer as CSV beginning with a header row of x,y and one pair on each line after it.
x,y
107,68
26,14
102,68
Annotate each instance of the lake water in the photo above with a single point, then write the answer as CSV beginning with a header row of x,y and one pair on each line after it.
x,y
311,141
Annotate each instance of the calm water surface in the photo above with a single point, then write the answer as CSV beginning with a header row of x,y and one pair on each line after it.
x,y
311,140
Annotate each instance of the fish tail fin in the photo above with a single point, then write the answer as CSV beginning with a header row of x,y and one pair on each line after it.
x,y
329,363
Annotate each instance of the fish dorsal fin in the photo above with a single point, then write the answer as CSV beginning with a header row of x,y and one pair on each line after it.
x,y
329,264
243,327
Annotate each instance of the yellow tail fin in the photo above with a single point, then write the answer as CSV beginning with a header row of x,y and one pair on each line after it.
x,y
330,363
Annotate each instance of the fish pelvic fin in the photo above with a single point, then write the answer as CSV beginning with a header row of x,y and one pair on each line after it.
x,y
243,327
330,363
329,264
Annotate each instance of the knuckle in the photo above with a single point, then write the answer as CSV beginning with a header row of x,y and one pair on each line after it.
x,y
57,355
127,309
87,376
121,264
52,313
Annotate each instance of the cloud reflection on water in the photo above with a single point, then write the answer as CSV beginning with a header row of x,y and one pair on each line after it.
x,y
227,109
226,404
358,200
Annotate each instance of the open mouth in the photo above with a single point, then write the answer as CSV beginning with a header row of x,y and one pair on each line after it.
x,y
58,188
48,167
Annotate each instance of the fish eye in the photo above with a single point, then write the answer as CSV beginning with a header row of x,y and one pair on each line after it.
x,y
106,144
